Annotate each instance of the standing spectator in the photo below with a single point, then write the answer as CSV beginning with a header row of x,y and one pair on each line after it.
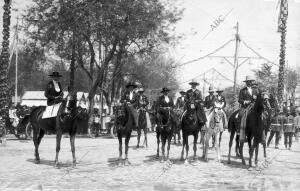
x,y
297,124
289,131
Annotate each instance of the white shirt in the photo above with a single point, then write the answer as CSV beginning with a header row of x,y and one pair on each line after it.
x,y
131,95
249,90
56,86
182,98
167,99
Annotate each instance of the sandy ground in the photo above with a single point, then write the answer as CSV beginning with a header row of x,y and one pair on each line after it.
x,y
97,168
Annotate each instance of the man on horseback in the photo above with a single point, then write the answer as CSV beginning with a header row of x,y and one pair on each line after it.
x,y
164,104
180,103
219,105
194,101
209,100
129,98
54,92
246,98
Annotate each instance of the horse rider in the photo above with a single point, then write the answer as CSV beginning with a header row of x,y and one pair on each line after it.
x,y
220,104
289,130
54,92
209,100
194,101
180,103
129,97
142,103
277,123
246,97
164,104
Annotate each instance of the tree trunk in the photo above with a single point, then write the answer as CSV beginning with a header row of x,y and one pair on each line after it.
x,y
4,60
72,67
281,64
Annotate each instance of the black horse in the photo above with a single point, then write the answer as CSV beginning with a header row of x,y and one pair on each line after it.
x,y
64,122
142,125
255,129
233,126
164,130
124,125
177,120
190,126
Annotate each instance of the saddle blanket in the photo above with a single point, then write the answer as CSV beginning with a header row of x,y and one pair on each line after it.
x,y
51,111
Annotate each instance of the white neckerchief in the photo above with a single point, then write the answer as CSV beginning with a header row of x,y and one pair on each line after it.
x,y
250,90
130,95
182,98
167,99
193,89
56,86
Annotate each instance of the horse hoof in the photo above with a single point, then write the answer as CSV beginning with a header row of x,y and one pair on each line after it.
x,y
186,162
37,161
229,162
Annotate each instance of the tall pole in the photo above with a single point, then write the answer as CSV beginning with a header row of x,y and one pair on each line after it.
x,y
283,15
17,52
237,43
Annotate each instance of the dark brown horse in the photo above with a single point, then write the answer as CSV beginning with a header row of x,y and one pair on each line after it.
x,y
142,125
233,126
164,131
255,130
190,126
124,125
64,122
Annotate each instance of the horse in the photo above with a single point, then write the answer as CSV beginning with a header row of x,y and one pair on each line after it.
x,y
65,121
142,125
214,128
255,131
124,125
178,115
190,126
233,124
165,131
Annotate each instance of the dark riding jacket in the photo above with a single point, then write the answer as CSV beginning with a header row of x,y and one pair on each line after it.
x,y
209,101
141,101
126,97
161,102
246,96
53,96
195,96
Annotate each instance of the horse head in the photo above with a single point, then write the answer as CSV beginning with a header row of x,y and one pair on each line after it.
x,y
121,114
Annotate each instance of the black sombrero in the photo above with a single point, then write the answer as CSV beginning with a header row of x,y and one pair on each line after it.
x,y
55,74
165,90
131,84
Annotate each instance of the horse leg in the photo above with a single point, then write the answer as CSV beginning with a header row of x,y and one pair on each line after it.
x,y
157,139
183,145
195,145
145,135
127,138
232,133
237,145
72,142
256,146
169,145
120,145
179,137
37,140
251,150
138,137
58,140
163,144
217,146
206,144
187,150
241,152
220,138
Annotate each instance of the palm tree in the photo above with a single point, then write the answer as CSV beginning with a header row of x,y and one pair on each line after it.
x,y
4,59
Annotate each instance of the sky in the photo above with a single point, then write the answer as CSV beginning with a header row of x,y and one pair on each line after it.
x,y
257,28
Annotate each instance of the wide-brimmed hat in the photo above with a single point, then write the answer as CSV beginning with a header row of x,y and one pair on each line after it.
x,y
55,74
210,89
249,78
141,90
194,82
165,89
219,90
182,92
131,84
